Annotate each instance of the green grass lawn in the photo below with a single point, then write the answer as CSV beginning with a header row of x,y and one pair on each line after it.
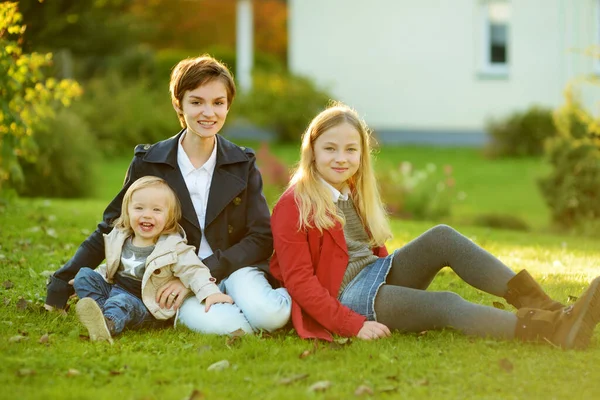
x,y
37,236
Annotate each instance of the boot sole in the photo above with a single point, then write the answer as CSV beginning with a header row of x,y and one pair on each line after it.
x,y
90,315
583,328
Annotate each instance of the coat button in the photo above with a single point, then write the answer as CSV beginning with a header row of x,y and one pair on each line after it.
x,y
230,228
212,279
156,271
237,201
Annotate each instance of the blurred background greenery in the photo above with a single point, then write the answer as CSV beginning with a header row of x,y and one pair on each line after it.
x,y
85,81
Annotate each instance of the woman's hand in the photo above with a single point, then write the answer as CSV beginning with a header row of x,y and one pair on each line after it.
x,y
372,330
172,294
216,298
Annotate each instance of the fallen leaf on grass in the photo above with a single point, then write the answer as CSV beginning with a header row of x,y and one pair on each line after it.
x,y
196,395
362,390
339,343
231,340
17,338
319,386
218,366
73,372
6,301
392,378
506,365
498,305
237,333
114,372
44,339
22,304
305,354
25,372
51,232
387,389
8,284
292,379
343,341
47,273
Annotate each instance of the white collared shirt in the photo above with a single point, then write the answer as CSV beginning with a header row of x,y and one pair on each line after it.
x,y
198,182
336,194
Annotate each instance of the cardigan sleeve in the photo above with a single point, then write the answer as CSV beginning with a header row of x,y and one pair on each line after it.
x,y
299,277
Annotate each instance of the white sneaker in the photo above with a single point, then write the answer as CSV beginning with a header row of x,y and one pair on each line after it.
x,y
90,315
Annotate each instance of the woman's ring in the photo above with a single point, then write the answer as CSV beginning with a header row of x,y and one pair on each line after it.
x,y
172,294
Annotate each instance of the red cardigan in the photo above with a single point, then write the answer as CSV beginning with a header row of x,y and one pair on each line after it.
x,y
311,266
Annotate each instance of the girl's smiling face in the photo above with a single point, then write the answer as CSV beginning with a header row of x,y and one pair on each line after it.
x,y
205,108
337,154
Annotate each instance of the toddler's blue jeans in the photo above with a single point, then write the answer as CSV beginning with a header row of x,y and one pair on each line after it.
x,y
117,304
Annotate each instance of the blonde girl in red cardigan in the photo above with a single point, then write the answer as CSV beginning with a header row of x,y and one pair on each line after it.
x,y
330,229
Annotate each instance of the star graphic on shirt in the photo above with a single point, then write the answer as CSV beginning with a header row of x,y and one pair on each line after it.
x,y
132,266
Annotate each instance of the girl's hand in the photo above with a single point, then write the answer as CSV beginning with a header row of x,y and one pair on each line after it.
x,y
172,294
372,330
216,298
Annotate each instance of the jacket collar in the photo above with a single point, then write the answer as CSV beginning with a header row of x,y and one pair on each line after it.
x,y
165,152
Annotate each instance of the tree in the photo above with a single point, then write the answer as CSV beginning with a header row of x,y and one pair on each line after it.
x,y
27,97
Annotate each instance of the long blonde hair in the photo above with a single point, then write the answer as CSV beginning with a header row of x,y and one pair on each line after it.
x,y
313,199
173,212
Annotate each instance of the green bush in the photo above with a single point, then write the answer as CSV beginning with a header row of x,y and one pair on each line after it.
x,y
520,134
572,189
501,221
125,113
66,161
283,104
422,194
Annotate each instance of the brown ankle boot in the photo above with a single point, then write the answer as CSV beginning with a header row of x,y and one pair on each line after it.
x,y
570,328
523,291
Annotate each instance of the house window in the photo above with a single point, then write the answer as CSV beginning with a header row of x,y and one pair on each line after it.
x,y
496,46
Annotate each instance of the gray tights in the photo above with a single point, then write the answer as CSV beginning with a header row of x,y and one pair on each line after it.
x,y
404,304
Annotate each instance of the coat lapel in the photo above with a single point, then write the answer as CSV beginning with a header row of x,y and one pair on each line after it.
x,y
187,207
226,184
337,233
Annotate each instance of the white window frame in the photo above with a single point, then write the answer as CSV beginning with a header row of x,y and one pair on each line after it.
x,y
487,68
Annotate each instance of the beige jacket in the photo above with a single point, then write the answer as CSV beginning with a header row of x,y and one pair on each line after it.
x,y
172,258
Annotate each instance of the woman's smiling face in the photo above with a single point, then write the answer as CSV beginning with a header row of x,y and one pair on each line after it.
x,y
205,108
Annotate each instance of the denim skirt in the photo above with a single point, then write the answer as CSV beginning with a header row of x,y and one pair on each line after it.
x,y
360,293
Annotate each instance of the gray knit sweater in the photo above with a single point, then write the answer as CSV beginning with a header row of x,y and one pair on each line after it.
x,y
357,240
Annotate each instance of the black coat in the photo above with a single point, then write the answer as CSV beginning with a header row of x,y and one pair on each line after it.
x,y
237,225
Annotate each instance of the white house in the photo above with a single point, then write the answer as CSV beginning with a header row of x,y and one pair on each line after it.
x,y
440,68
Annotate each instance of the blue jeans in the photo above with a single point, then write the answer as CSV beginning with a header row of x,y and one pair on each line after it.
x,y
117,304
256,306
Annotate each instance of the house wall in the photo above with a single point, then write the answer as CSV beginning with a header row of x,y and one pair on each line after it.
x,y
416,65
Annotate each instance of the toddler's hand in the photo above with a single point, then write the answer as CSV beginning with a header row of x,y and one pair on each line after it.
x,y
216,298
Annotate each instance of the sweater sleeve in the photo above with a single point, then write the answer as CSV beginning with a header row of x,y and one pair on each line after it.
x,y
299,277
